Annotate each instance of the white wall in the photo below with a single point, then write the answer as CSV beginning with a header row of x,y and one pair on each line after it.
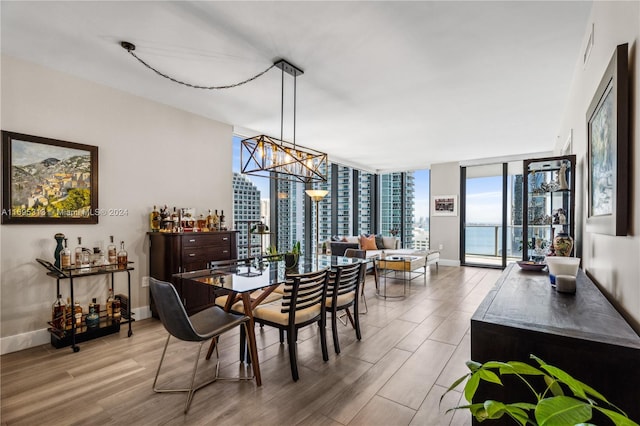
x,y
614,262
445,230
148,154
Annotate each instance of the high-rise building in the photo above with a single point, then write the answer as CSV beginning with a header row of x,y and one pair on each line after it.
x,y
365,213
397,206
290,207
246,210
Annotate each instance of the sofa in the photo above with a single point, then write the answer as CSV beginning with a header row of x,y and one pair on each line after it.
x,y
390,246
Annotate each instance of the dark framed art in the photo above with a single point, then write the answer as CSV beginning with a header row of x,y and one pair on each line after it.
x,y
608,149
48,181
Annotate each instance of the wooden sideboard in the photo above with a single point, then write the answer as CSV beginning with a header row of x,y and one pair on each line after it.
x,y
582,334
172,253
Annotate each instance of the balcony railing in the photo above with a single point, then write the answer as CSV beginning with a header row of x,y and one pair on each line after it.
x,y
486,240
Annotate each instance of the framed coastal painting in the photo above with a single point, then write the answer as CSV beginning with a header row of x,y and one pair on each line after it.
x,y
444,205
48,181
608,150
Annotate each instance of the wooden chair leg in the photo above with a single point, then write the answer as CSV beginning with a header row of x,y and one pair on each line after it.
x,y
334,332
281,332
243,344
293,357
322,324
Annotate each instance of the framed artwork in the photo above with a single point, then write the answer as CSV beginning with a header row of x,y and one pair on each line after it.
x,y
444,205
48,181
608,149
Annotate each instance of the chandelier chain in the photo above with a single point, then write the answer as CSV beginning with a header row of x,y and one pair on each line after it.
x,y
195,86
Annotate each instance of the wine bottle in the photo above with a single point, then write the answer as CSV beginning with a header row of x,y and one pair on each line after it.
x,y
223,225
122,257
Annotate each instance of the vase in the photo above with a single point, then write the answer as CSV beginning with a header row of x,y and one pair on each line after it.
x,y
290,260
59,248
563,244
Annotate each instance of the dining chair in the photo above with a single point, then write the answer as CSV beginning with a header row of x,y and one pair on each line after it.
x,y
302,304
342,294
203,326
362,254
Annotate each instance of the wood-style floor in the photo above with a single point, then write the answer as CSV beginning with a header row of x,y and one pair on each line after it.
x,y
411,351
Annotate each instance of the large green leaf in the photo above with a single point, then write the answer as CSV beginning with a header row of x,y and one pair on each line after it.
x,y
489,376
516,367
471,387
567,379
553,385
495,409
473,365
495,364
562,410
617,418
454,385
589,390
516,413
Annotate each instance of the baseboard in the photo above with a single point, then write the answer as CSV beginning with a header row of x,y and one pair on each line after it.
x,y
35,338
449,262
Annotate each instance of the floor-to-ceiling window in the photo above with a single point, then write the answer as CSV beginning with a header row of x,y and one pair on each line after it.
x,y
491,214
421,210
358,202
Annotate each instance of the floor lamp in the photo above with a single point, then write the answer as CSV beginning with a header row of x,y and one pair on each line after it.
x,y
317,195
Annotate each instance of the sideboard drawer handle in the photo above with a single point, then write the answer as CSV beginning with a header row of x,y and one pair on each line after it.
x,y
192,254
225,251
192,240
225,239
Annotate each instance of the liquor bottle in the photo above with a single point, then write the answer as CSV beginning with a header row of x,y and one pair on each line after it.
x,y
116,309
122,257
111,252
154,219
175,218
77,313
58,312
68,316
65,256
216,221
223,225
209,221
93,317
110,300
78,253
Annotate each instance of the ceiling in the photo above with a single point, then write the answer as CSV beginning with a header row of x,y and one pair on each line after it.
x,y
387,86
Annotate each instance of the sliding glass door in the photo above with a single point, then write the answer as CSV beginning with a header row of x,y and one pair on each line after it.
x,y
491,232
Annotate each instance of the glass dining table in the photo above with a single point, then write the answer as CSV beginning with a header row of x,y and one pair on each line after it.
x,y
245,276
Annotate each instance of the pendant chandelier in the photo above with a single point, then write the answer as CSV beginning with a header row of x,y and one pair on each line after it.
x,y
266,156
263,155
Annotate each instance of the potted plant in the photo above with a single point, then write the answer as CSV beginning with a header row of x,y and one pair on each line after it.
x,y
552,406
291,257
259,228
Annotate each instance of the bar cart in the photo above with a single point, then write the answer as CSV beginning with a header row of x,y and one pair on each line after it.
x,y
71,334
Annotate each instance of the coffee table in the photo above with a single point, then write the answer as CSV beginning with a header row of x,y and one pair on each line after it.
x,y
403,268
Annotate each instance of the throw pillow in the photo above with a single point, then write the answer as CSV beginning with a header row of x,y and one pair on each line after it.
x,y
379,242
344,240
335,238
368,243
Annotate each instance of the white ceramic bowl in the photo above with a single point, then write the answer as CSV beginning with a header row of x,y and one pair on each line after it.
x,y
561,265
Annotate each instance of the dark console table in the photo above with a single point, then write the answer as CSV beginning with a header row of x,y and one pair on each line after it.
x,y
583,334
